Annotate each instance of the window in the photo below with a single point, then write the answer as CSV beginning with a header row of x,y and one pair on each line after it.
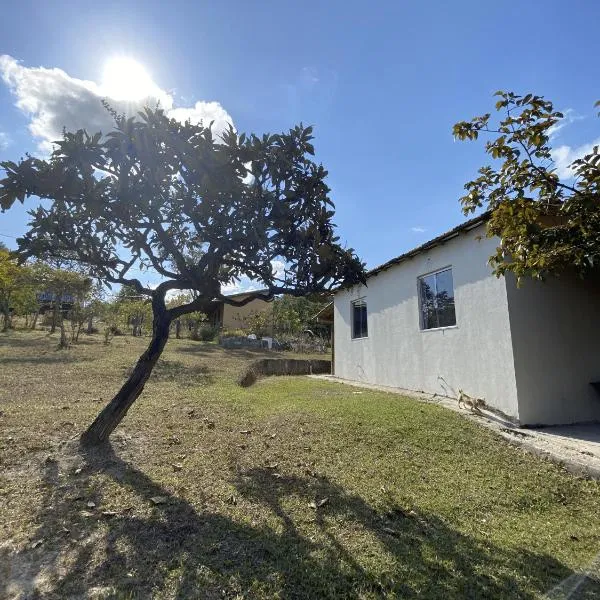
x,y
436,299
359,319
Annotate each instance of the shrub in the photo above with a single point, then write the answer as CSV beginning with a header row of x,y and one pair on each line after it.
x,y
247,378
204,334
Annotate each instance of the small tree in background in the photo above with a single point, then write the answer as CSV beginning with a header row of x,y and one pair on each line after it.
x,y
15,285
159,195
546,225
133,310
63,284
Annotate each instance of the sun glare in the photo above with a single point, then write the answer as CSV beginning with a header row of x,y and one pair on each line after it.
x,y
125,79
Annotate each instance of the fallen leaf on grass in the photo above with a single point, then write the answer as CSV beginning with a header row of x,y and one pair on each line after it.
x,y
37,543
159,499
109,513
246,431
318,503
91,504
177,467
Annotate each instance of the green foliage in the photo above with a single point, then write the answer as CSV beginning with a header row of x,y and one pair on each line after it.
x,y
16,287
546,225
289,315
208,333
197,211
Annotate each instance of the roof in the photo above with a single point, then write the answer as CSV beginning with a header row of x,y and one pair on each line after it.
x,y
263,292
440,239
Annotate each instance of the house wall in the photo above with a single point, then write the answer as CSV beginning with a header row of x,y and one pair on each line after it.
x,y
236,317
555,329
475,355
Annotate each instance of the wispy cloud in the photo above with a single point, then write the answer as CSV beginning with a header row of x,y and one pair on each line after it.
x,y
418,229
5,140
54,100
564,156
570,116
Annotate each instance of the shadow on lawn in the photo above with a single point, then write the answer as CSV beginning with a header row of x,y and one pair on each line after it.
x,y
174,370
52,357
181,553
215,350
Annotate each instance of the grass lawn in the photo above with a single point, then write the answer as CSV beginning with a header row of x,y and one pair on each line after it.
x,y
292,488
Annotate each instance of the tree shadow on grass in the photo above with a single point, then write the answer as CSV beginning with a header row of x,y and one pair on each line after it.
x,y
199,348
173,550
53,357
174,370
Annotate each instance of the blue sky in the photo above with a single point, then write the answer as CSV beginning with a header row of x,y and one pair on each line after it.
x,y
382,82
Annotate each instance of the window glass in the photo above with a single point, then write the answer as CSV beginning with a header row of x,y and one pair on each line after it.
x,y
359,319
436,299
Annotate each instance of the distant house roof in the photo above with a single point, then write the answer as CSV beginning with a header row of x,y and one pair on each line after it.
x,y
263,292
440,239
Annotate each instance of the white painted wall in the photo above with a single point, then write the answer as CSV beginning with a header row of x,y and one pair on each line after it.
x,y
556,342
476,355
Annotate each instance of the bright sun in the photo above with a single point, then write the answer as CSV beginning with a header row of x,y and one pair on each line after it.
x,y
125,79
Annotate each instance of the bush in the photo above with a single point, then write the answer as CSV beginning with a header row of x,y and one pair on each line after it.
x,y
303,343
205,334
234,333
247,378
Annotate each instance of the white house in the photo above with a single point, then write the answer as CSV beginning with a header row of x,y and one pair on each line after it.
x,y
533,353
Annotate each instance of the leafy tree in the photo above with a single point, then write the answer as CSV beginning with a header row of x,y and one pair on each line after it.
x,y
62,283
546,224
133,309
190,322
164,196
15,284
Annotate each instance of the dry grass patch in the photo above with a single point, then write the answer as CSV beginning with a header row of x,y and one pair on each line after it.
x,y
292,488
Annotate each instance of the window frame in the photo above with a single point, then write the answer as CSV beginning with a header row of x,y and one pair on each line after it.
x,y
420,300
359,302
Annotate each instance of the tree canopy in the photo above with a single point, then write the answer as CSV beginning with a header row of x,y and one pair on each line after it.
x,y
163,196
545,224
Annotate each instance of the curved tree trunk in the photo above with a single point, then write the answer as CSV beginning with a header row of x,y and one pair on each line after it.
x,y
114,412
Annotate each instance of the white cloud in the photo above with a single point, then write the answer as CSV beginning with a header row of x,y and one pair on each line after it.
x,y
54,100
564,156
418,229
570,116
278,268
5,140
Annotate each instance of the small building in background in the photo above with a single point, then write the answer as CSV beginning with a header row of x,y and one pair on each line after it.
x,y
46,302
437,320
226,316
